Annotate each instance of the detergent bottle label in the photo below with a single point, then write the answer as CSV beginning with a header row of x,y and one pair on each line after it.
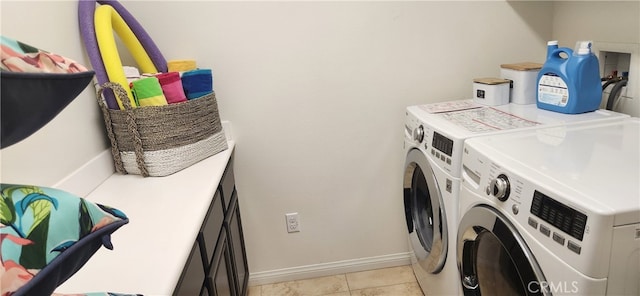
x,y
553,90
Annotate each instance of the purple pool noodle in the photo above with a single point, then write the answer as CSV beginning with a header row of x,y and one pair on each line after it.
x,y
86,11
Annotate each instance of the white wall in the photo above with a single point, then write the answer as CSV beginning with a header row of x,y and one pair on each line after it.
x,y
606,21
76,134
316,93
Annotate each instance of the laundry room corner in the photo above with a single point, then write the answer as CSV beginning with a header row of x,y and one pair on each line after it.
x,y
317,93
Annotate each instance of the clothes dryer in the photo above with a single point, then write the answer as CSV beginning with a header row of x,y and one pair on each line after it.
x,y
434,137
553,211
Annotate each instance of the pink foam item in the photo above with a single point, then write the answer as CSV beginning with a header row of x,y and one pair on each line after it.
x,y
172,87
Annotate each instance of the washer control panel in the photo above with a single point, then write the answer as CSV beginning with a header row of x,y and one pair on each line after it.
x,y
442,144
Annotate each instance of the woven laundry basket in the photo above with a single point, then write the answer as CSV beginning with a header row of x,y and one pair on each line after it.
x,y
161,140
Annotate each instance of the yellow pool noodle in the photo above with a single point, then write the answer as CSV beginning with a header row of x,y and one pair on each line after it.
x,y
107,20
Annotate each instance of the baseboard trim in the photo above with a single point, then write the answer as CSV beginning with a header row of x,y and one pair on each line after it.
x,y
327,269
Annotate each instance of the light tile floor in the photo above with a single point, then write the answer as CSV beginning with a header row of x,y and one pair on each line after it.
x,y
393,281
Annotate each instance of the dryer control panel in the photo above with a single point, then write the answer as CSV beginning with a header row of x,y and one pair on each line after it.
x,y
559,215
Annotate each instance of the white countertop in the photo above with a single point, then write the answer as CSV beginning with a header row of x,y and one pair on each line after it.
x,y
165,216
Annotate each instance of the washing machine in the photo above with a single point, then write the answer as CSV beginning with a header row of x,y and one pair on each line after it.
x,y
553,211
433,140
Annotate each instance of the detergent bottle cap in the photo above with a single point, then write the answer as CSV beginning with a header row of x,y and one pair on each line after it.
x,y
583,47
552,42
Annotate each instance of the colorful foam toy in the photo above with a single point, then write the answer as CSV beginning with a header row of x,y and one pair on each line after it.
x,y
86,16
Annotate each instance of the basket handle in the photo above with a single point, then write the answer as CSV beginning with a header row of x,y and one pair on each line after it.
x,y
131,126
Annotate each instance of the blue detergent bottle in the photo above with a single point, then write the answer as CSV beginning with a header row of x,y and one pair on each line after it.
x,y
569,84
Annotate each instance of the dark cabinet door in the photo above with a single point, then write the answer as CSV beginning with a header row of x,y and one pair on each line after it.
x,y
205,292
212,226
193,275
233,224
217,265
227,185
220,280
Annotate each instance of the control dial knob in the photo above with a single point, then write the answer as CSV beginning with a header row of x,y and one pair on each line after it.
x,y
500,187
418,134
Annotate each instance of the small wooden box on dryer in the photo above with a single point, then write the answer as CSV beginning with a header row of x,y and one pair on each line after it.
x,y
491,91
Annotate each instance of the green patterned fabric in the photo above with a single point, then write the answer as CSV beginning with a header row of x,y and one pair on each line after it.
x,y
47,234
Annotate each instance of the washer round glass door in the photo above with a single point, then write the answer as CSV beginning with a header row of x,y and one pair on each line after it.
x,y
493,259
426,222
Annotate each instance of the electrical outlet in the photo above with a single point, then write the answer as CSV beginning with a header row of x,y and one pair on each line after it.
x,y
293,222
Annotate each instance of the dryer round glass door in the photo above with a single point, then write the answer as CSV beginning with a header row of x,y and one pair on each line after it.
x,y
493,259
426,222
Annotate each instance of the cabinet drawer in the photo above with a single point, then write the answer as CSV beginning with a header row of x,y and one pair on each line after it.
x,y
212,226
227,184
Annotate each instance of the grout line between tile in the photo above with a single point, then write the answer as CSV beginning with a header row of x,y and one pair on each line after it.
x,y
347,281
